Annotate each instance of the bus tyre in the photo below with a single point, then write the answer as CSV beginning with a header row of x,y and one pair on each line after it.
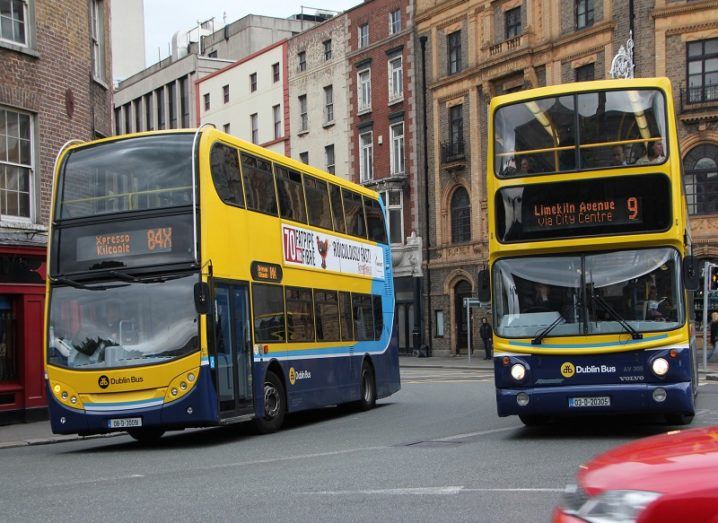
x,y
368,388
533,420
146,435
679,418
275,405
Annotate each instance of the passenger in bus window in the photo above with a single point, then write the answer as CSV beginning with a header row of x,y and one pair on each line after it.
x,y
525,165
618,155
655,154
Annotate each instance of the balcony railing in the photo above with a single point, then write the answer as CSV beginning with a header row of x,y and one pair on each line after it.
x,y
699,95
452,151
506,45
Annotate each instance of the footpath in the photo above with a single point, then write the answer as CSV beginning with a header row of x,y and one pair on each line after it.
x,y
39,433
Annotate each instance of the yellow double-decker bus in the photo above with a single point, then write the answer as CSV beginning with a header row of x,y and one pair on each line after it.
x,y
197,279
589,252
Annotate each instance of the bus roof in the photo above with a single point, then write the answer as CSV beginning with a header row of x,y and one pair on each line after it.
x,y
580,87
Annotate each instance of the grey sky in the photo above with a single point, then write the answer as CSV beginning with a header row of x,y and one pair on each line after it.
x,y
163,18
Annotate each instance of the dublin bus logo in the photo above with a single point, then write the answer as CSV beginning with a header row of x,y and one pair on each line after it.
x,y
103,382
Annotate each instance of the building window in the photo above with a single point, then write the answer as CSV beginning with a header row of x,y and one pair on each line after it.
x,y
212,54
252,82
394,22
453,49
460,216
456,131
327,50
226,128
13,15
254,123
701,179
184,98
397,148
513,22
225,94
364,89
584,13
585,73
304,157
16,163
363,36
303,117
328,104
393,206
172,104
206,102
366,157
275,72
396,79
148,113
277,114
98,37
329,159
302,57
703,71
160,96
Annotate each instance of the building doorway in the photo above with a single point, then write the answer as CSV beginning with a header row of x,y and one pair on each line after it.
x,y
461,290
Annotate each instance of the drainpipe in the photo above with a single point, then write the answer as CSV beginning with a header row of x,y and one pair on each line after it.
x,y
423,40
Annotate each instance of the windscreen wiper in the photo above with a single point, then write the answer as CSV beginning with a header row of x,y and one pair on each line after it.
x,y
614,314
149,279
78,285
538,339
124,276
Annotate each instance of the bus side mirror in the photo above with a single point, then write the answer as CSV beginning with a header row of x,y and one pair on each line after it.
x,y
484,293
691,273
201,297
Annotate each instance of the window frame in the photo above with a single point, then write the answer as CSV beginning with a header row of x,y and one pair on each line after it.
x,y
701,58
225,93
30,168
301,61
277,115
207,101
97,37
327,49
252,82
392,208
330,167
26,27
303,115
588,13
254,127
397,159
364,90
396,79
453,52
363,36
366,157
328,104
513,23
394,22
460,224
275,72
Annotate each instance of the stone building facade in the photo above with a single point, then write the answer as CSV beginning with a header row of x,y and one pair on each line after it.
x,y
476,49
55,78
383,137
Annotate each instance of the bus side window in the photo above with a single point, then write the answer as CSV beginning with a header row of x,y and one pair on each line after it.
x,y
375,220
363,317
291,196
317,202
354,212
227,179
268,307
345,316
259,185
378,316
326,310
300,316
335,194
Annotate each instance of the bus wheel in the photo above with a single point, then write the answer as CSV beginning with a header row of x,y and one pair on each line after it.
x,y
368,388
275,407
533,420
146,435
679,418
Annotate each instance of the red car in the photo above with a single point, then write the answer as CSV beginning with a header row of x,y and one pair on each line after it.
x,y
662,479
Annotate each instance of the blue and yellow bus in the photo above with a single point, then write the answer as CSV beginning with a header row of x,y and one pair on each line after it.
x,y
197,280
589,252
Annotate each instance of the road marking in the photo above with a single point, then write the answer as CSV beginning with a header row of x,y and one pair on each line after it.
x,y
474,434
424,491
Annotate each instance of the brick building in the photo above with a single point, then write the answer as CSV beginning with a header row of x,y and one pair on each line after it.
x,y
55,75
477,49
382,148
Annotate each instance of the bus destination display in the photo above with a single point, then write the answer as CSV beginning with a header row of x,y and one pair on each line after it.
x,y
605,206
122,244
591,213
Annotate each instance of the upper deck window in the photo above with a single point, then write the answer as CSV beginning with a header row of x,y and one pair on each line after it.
x,y
152,172
586,131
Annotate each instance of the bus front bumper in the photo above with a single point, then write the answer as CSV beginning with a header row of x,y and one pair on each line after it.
x,y
596,399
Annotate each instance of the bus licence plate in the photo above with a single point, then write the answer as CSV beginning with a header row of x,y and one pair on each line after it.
x,y
124,423
598,401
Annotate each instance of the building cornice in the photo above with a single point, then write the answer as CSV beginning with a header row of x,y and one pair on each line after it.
x,y
680,9
438,10
691,28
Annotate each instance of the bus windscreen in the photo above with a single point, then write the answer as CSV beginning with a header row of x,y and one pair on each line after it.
x,y
623,205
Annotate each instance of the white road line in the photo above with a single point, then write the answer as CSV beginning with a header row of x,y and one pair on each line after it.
x,y
424,491
474,434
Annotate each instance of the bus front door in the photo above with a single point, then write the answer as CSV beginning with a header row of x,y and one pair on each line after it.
x,y
233,350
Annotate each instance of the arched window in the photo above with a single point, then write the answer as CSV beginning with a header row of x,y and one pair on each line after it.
x,y
460,216
701,179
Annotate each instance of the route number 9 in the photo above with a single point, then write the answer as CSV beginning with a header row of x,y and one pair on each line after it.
x,y
632,205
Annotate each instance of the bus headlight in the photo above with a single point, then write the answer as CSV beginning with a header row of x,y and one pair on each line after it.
x,y
660,366
518,372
